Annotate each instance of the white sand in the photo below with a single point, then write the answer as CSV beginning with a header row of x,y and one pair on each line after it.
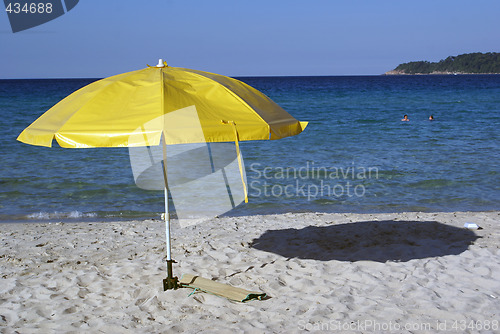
x,y
408,272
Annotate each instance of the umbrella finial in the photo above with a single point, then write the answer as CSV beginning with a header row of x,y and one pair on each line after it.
x,y
160,63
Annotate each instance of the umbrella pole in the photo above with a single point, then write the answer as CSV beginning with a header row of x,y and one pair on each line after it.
x,y
170,282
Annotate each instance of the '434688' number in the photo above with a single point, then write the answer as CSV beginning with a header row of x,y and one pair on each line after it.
x,y
31,8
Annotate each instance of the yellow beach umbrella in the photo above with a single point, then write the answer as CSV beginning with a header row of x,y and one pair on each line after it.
x,y
141,107
105,113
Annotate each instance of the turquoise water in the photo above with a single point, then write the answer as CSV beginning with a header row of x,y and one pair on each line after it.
x,y
355,156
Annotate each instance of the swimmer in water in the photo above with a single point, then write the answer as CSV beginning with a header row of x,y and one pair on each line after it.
x,y
405,118
431,118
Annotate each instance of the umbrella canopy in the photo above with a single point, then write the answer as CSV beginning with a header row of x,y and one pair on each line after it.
x,y
109,112
162,104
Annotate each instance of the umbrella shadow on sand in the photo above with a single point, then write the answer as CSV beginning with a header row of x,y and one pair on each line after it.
x,y
378,241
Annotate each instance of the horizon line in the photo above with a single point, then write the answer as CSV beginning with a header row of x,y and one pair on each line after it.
x,y
276,76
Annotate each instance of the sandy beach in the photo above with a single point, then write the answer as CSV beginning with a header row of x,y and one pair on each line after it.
x,y
402,273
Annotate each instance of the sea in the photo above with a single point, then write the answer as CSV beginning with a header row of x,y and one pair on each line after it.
x,y
356,155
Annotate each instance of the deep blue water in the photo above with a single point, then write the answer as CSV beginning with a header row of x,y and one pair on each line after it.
x,y
355,156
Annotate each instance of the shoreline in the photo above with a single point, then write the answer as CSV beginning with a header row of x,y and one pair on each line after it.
x,y
92,218
393,72
320,269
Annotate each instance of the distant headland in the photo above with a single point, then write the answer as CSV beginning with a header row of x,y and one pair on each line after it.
x,y
469,63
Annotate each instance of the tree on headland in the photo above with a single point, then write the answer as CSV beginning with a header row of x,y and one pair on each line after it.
x,y
473,63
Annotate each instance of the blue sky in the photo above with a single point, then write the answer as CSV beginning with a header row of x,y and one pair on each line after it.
x,y
249,38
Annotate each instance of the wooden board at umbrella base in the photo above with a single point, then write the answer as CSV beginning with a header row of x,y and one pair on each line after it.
x,y
219,289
